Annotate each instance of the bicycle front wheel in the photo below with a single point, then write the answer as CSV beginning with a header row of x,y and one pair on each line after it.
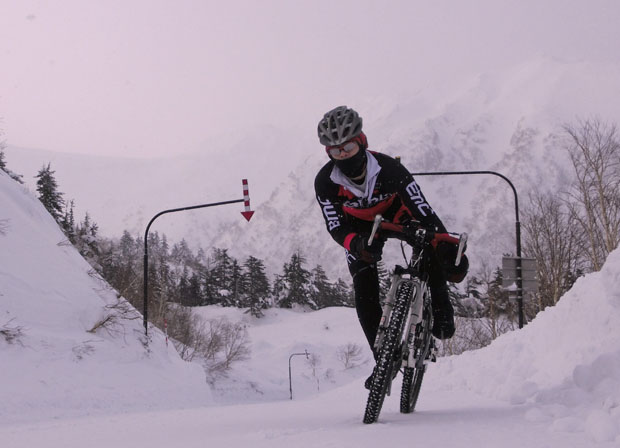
x,y
389,354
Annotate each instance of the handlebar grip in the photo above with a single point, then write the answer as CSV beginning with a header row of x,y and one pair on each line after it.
x,y
392,227
446,237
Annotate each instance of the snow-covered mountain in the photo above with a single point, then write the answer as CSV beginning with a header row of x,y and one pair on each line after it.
x,y
555,383
503,121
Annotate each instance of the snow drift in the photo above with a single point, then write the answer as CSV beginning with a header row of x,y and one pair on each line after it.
x,y
50,299
565,363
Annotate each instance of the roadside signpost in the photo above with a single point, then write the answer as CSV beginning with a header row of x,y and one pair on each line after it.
x,y
515,273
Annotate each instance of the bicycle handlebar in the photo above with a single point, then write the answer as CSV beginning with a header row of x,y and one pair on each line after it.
x,y
429,235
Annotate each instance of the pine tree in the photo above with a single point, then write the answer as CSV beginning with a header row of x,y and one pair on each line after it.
x,y
68,222
194,292
122,268
254,287
293,286
181,254
189,289
49,195
220,278
87,239
321,291
3,167
344,294
2,161
234,299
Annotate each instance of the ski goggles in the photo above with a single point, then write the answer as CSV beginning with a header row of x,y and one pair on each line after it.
x,y
346,147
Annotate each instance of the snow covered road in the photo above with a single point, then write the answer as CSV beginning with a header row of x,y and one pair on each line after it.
x,y
445,419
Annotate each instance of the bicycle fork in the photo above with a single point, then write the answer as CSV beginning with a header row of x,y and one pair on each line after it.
x,y
387,307
420,346
415,315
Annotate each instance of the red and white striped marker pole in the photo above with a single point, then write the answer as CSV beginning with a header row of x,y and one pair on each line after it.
x,y
247,214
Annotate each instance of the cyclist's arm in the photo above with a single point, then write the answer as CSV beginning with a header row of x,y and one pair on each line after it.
x,y
331,207
413,198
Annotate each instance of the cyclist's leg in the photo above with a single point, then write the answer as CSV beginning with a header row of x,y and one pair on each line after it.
x,y
366,287
443,312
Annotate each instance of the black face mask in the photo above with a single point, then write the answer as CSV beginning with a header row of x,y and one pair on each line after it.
x,y
353,166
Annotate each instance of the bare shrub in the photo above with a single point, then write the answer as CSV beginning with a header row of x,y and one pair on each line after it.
x,y
219,343
472,334
4,226
82,350
314,361
12,333
350,355
114,316
186,330
234,342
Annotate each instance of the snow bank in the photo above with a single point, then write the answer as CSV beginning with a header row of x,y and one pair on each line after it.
x,y
565,363
49,300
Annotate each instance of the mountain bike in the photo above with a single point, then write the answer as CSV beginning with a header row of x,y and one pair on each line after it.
x,y
404,338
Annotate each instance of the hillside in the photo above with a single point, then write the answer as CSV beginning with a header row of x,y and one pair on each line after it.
x,y
55,363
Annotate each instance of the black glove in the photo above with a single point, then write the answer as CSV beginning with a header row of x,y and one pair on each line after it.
x,y
446,254
410,231
362,251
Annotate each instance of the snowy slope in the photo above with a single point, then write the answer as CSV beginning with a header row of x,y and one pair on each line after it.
x,y
57,367
565,363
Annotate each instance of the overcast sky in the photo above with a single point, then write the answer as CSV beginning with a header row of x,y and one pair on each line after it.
x,y
154,77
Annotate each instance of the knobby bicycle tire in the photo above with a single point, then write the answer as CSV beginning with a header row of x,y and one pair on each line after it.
x,y
413,376
385,361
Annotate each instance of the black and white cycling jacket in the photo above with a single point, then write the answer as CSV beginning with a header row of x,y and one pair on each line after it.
x,y
388,189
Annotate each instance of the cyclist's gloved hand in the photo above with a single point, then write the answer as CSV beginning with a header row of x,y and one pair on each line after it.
x,y
446,254
362,251
410,229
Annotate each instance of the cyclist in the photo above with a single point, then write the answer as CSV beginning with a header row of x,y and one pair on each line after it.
x,y
354,186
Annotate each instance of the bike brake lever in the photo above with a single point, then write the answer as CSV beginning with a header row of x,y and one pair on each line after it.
x,y
375,227
459,253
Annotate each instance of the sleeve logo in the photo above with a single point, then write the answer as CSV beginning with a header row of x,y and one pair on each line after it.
x,y
415,194
331,215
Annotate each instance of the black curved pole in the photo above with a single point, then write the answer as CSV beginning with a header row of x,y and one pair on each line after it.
x,y
146,250
517,225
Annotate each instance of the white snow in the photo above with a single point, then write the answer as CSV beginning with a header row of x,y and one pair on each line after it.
x,y
556,383
58,368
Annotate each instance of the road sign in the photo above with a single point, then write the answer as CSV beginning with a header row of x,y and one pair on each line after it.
x,y
510,274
